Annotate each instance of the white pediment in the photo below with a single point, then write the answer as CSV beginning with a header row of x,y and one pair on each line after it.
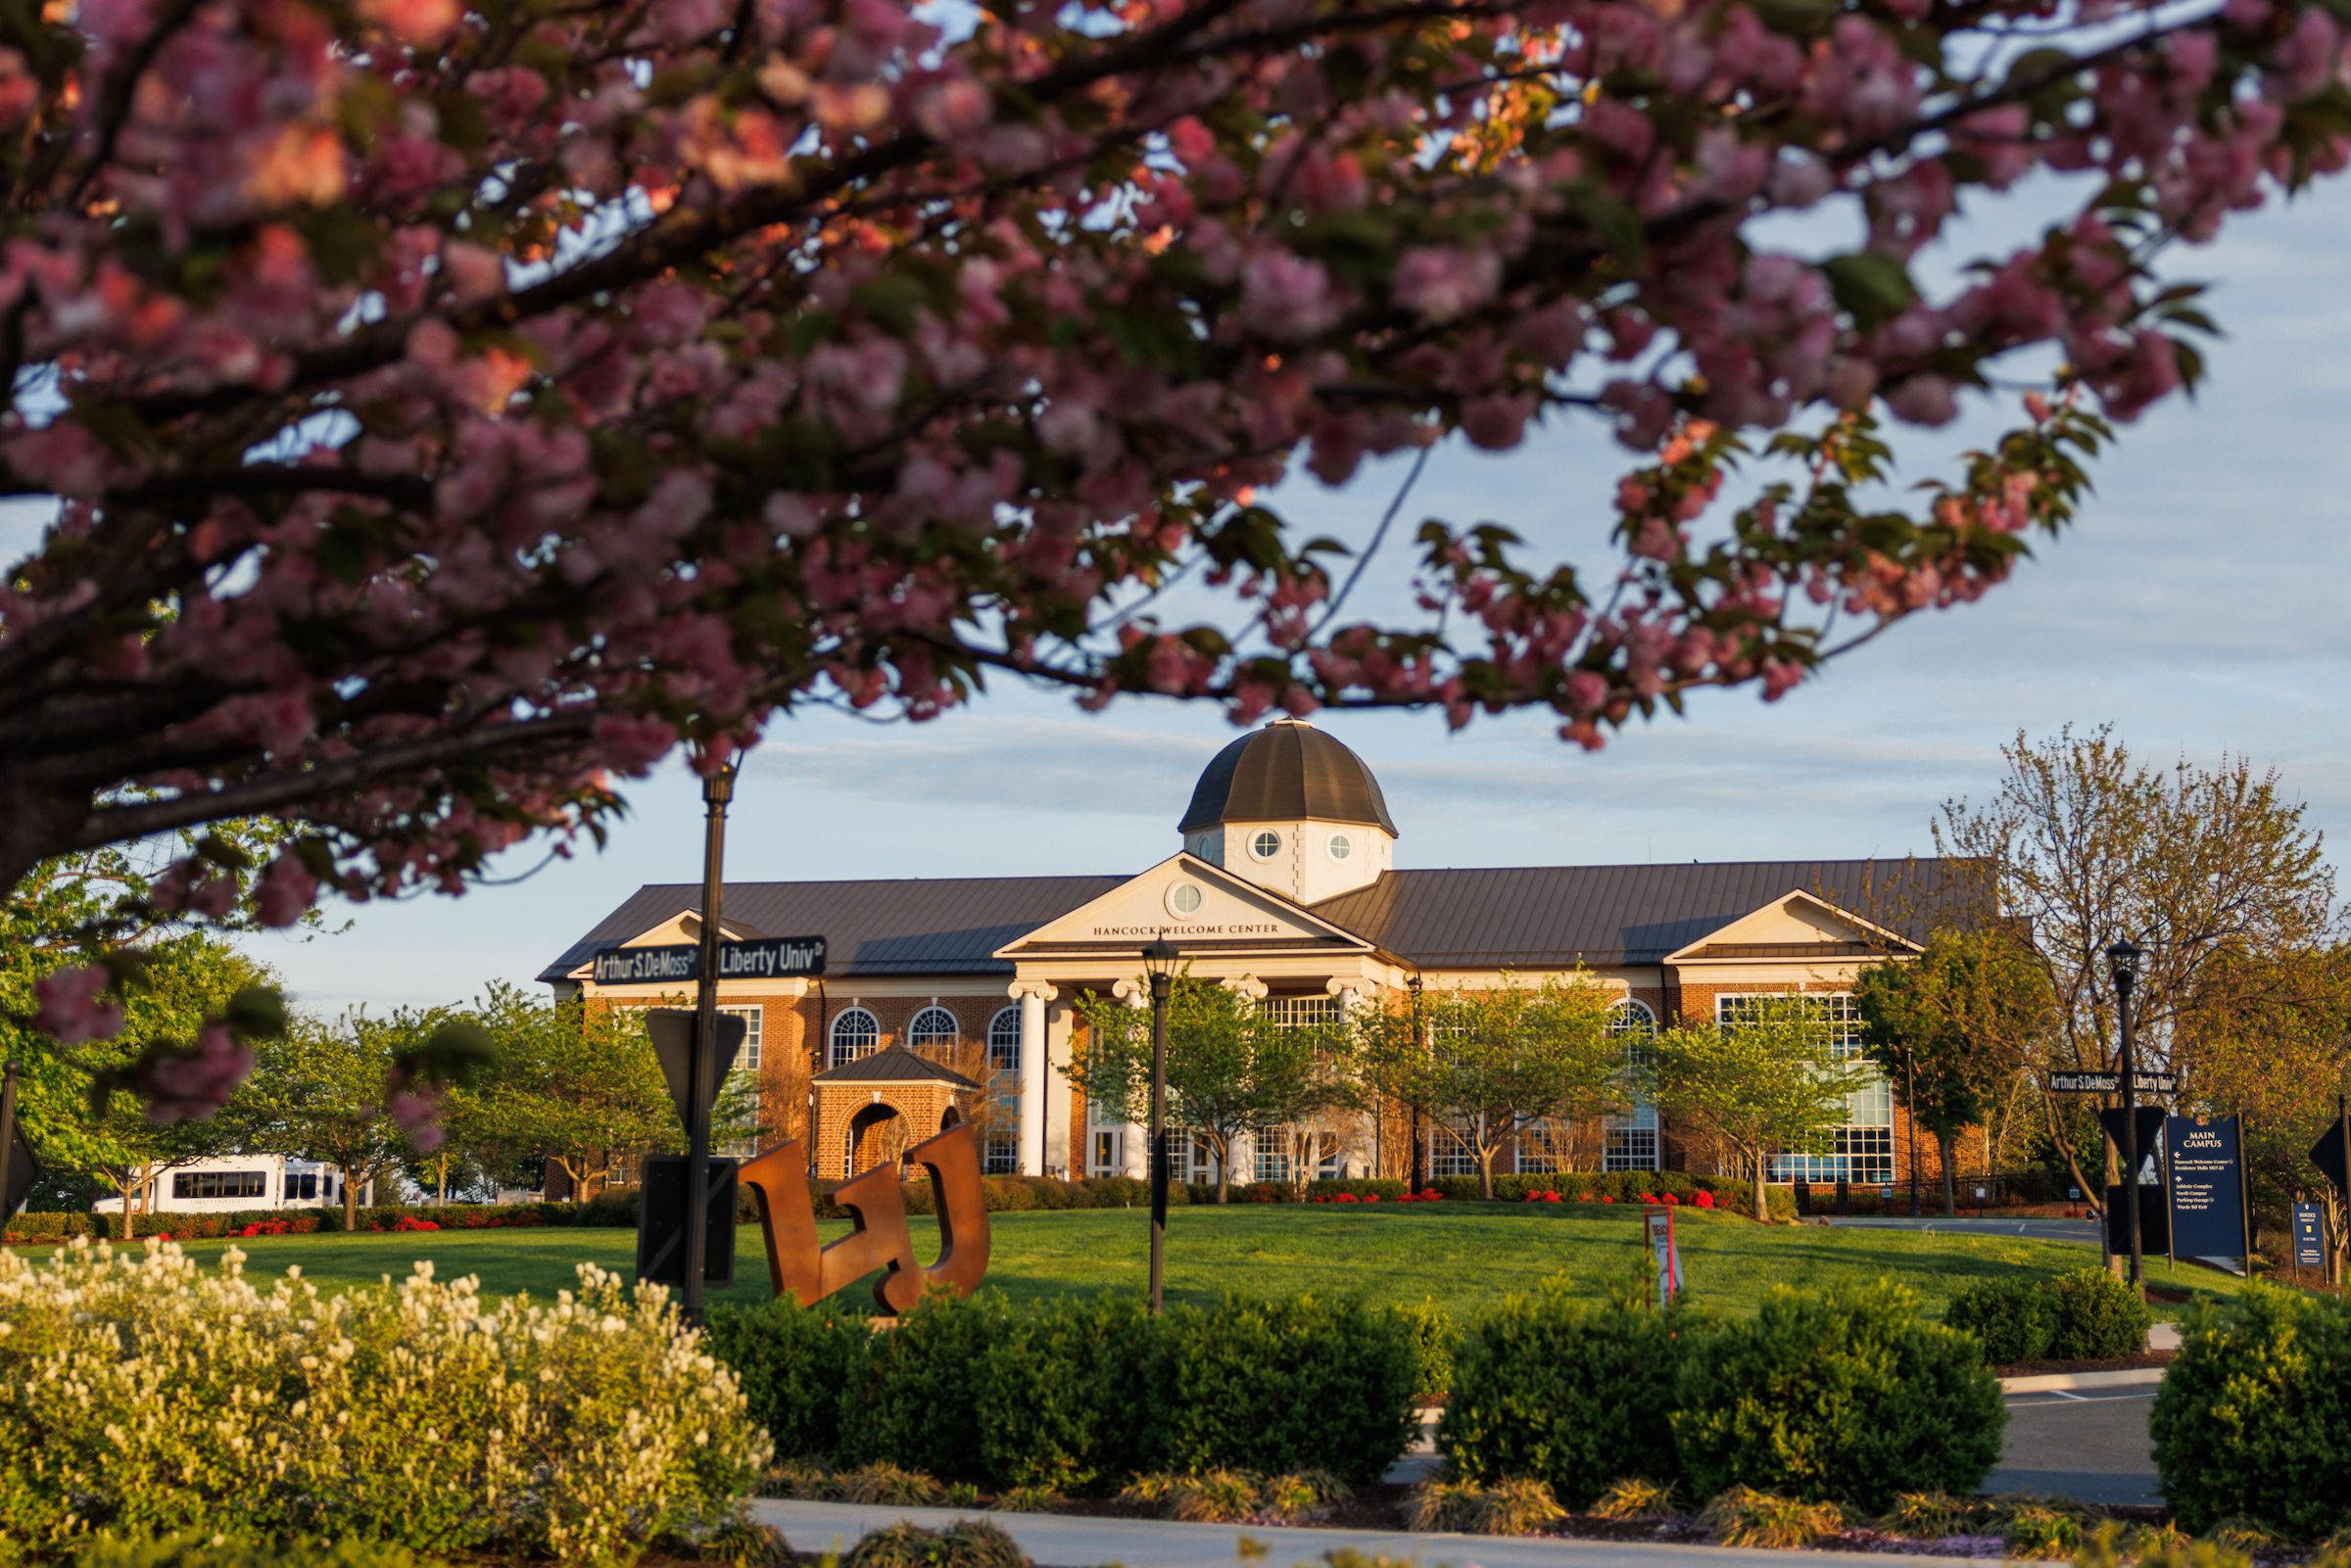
x,y
1795,919
1191,903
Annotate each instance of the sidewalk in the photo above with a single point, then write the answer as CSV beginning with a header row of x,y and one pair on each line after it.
x,y
1060,1540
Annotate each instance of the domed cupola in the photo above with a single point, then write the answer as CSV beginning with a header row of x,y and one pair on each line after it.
x,y
1291,809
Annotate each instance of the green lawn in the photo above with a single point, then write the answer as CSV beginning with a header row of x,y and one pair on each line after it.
x,y
1463,1255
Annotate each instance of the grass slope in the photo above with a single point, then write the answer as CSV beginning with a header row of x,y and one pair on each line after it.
x,y
1465,1256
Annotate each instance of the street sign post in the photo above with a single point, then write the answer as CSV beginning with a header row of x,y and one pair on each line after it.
x,y
2208,1186
663,1204
2144,1081
764,958
2150,1130
1658,1224
672,1030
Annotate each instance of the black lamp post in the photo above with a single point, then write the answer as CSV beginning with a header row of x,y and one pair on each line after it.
x,y
718,789
1159,966
1412,1179
2122,962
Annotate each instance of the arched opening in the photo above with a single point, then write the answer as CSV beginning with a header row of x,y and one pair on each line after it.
x,y
877,1136
949,1117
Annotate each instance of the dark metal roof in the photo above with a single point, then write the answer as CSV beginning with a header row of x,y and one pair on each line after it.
x,y
1287,770
905,925
1556,916
1528,915
893,1065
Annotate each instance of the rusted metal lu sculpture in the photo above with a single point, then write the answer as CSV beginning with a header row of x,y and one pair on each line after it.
x,y
798,1267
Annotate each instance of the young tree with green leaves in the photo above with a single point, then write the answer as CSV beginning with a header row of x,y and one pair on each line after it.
x,y
1492,1064
320,1092
1953,1026
2082,843
573,1083
1234,1066
1769,1084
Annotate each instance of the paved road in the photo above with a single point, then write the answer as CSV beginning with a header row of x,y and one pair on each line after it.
x,y
2090,1446
2046,1228
1156,1544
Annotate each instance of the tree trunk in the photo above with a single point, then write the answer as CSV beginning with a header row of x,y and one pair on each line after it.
x,y
351,1200
1485,1173
1762,1201
127,1184
1949,1144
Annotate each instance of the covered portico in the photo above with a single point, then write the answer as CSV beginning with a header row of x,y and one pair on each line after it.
x,y
1226,929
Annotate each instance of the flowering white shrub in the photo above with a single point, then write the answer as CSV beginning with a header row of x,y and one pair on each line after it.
x,y
140,1394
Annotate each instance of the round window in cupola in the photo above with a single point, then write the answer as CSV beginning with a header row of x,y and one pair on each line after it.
x,y
1265,845
1340,846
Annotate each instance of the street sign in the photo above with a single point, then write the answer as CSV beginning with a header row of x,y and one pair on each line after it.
x,y
766,958
672,1030
2310,1236
2208,1195
2144,1081
2327,1155
1664,1253
2150,1131
661,1221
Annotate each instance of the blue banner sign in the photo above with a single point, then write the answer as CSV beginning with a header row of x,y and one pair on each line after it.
x,y
2208,1187
2310,1236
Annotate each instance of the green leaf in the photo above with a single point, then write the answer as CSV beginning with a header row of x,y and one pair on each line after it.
x,y
1870,285
257,1012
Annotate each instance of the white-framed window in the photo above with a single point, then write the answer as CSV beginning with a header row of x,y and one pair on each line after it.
x,y
1630,1142
220,1184
1102,1153
1451,1155
1339,847
855,1033
1270,1147
1862,1150
932,1028
1539,1153
1265,844
1296,1012
754,1024
1184,900
1004,1039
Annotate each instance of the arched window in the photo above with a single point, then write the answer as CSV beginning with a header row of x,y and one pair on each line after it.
x,y
1631,1022
1004,1039
854,1034
933,1026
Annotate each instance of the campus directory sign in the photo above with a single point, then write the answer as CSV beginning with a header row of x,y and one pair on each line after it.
x,y
2310,1236
2208,1186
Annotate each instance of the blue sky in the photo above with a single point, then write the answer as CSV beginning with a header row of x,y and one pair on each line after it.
x,y
2197,607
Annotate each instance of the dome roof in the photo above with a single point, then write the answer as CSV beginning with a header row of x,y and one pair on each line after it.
x,y
1287,772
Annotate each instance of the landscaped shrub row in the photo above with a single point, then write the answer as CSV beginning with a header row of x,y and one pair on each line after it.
x,y
2253,1420
141,1395
1076,1395
1845,1396
2085,1315
1616,1186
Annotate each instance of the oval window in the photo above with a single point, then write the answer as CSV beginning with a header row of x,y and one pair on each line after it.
x,y
1183,899
1265,845
1341,846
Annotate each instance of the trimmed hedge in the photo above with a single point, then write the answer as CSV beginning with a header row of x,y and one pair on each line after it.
x,y
200,1550
1083,1393
2084,1316
2012,1319
1005,1195
1572,1393
2252,1420
1843,1396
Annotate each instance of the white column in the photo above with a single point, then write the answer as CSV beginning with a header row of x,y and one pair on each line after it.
x,y
1065,1143
1036,1070
1356,1161
1135,1137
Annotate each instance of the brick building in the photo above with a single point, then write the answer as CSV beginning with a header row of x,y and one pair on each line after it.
x,y
957,998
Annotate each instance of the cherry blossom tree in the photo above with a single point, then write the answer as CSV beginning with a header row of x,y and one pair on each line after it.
x,y
450,410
